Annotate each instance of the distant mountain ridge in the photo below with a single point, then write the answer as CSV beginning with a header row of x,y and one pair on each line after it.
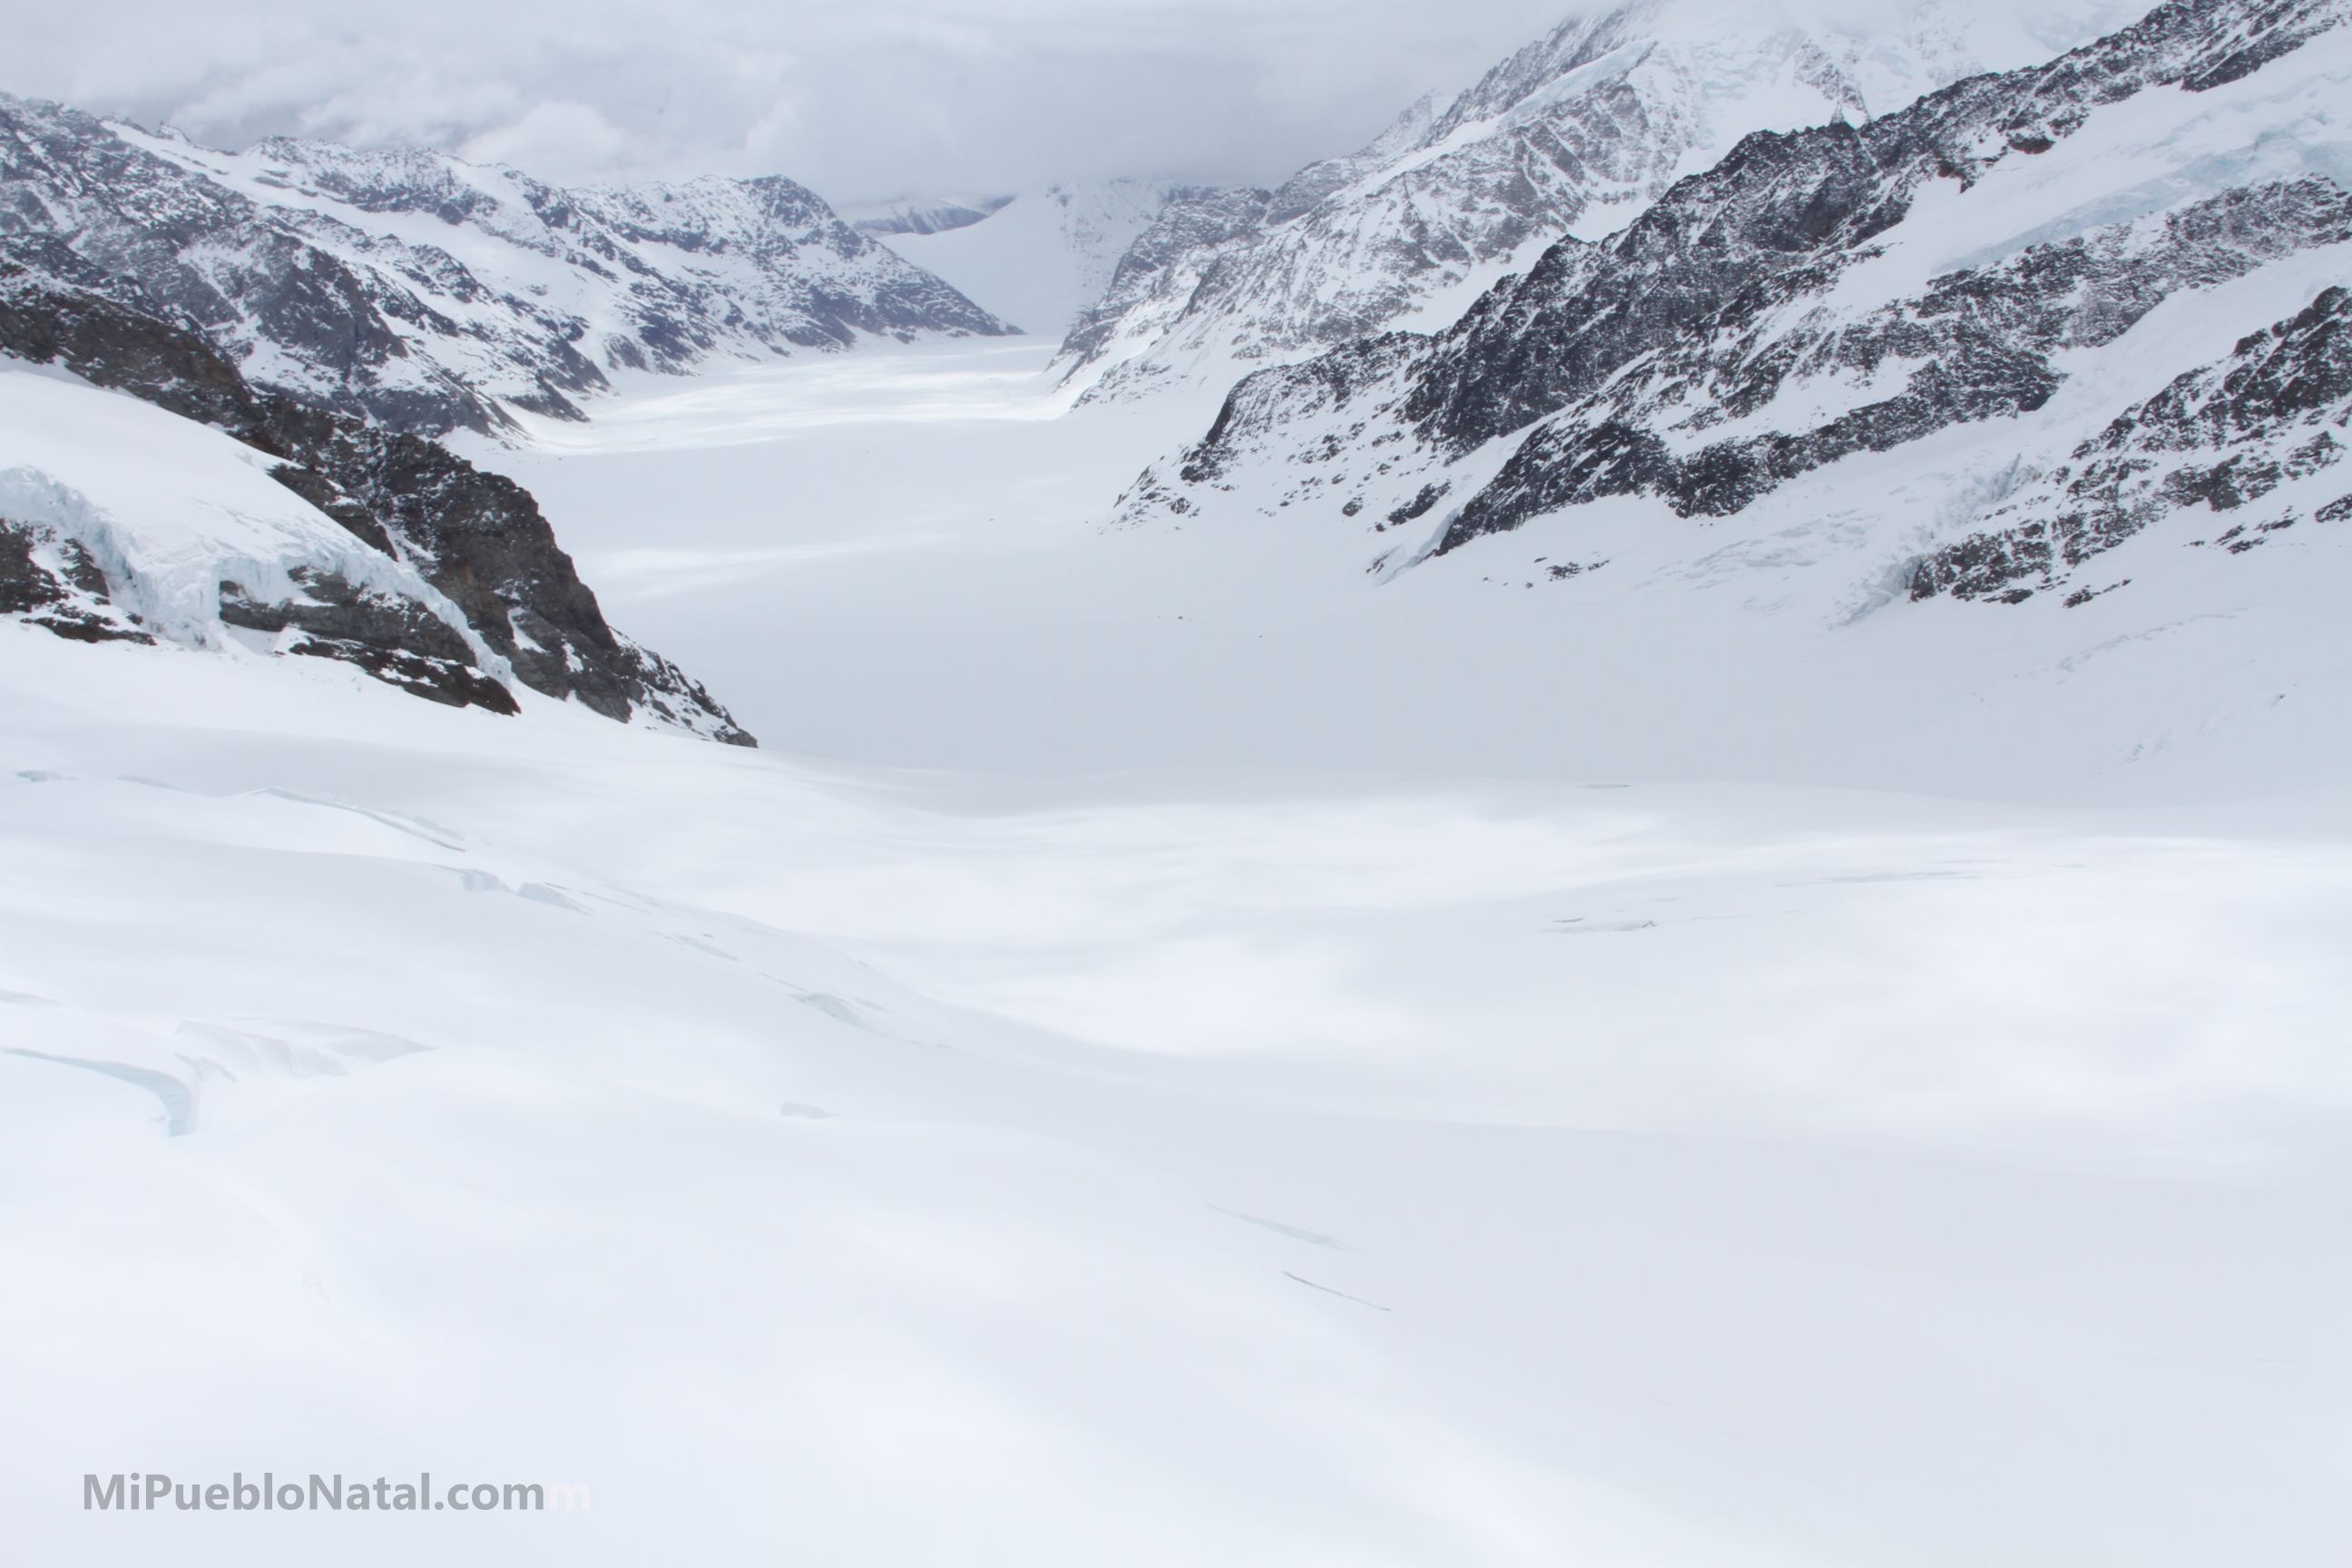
x,y
930,214
431,294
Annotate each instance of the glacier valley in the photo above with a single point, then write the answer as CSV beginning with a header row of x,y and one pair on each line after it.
x,y
1695,916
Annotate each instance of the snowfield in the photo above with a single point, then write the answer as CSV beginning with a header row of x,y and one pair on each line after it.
x,y
1333,1150
886,1168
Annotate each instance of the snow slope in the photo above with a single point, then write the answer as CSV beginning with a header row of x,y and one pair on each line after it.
x,y
1042,258
1575,133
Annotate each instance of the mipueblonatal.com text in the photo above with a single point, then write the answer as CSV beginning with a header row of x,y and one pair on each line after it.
x,y
145,1491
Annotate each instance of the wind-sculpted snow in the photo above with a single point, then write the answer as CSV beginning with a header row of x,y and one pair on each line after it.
x,y
1841,291
426,292
1574,134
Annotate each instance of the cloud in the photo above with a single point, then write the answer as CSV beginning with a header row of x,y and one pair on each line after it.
x,y
883,99
861,99
564,141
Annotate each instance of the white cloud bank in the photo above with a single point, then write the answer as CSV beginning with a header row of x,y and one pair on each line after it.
x,y
897,97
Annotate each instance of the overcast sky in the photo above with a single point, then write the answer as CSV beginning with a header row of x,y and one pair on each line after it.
x,y
862,99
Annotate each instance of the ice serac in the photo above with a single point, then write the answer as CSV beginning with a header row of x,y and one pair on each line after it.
x,y
429,294
1575,134
208,509
1996,255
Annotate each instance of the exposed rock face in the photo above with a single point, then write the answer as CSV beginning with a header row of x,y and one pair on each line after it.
x,y
1759,322
477,539
2258,440
1981,344
1575,134
330,275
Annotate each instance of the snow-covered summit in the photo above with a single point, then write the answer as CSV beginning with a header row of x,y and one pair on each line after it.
x,y
1575,133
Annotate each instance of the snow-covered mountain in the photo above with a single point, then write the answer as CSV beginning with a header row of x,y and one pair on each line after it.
x,y
149,494
1967,347
1576,133
425,291
1041,259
